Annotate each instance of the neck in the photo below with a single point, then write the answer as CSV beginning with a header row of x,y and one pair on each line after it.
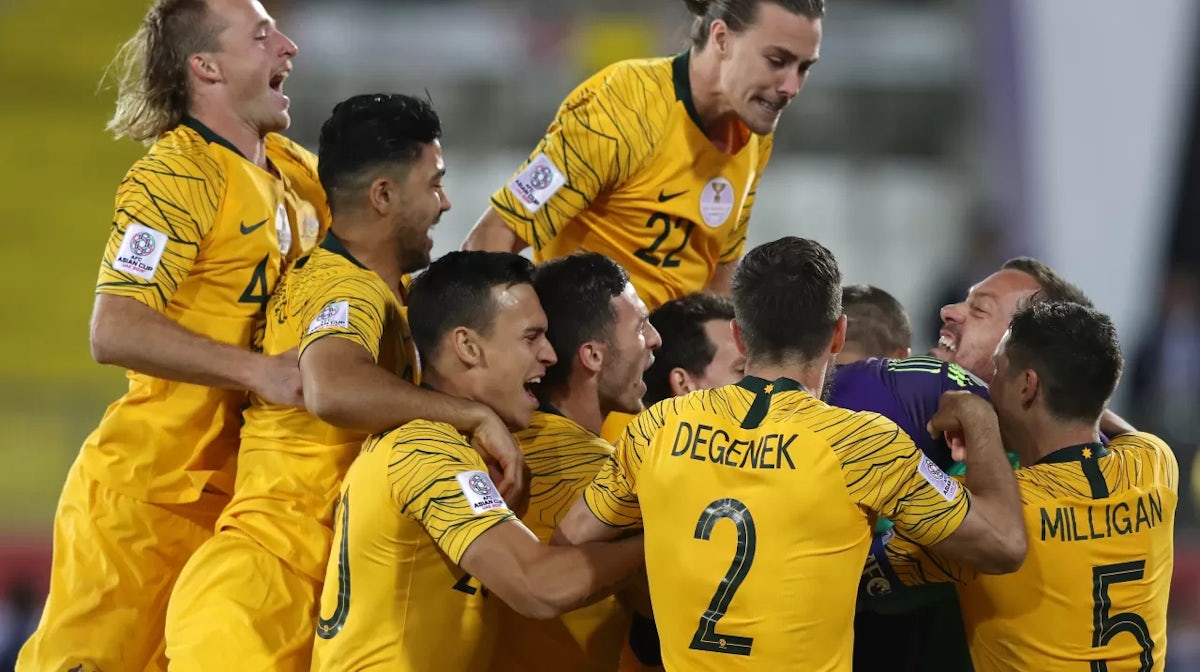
x,y
368,241
446,384
809,374
580,403
704,77
1045,435
246,138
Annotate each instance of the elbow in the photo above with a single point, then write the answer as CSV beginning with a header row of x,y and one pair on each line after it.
x,y
538,600
325,404
103,342
1009,555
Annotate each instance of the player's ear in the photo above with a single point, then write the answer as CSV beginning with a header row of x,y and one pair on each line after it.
x,y
382,196
737,337
466,346
591,356
1030,387
680,382
205,67
839,336
718,37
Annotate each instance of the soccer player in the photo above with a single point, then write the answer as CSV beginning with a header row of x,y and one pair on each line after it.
x,y
876,325
604,342
766,454
655,163
697,352
1100,519
342,306
423,537
202,226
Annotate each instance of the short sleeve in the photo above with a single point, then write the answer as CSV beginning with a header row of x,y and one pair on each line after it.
x,y
438,480
353,308
735,242
165,208
904,561
888,475
612,495
598,139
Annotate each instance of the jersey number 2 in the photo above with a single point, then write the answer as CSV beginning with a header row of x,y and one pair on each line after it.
x,y
707,638
650,254
1106,625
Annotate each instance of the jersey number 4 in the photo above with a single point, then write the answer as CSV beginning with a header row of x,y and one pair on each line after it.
x,y
256,291
650,254
1106,625
707,638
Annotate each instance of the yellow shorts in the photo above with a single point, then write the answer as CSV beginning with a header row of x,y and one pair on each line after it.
x,y
237,606
614,426
115,561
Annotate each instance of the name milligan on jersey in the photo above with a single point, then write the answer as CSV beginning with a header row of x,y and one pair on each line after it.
x,y
1081,523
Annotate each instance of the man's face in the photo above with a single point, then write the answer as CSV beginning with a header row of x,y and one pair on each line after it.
x,y
728,366
972,329
515,355
627,356
254,59
765,66
421,204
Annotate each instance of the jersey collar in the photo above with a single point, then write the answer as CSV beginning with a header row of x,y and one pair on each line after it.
x,y
683,86
332,244
762,386
1079,453
210,135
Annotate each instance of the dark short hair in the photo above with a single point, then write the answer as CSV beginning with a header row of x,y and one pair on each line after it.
x,y
787,295
1051,285
577,292
685,343
876,322
370,132
740,14
1074,350
456,291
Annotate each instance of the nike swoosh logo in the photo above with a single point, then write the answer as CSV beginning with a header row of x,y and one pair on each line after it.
x,y
246,230
664,197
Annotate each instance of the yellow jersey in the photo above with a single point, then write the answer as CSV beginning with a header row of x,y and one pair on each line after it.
x,y
563,458
799,483
626,170
1094,587
291,463
201,235
394,596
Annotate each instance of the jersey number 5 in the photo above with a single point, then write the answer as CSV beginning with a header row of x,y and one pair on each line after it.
x,y
650,254
707,638
1106,625
328,628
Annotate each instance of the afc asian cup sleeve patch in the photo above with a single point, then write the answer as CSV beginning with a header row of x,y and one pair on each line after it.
x,y
140,252
336,315
540,180
946,486
480,492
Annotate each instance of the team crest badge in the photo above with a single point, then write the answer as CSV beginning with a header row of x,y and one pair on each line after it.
x,y
716,202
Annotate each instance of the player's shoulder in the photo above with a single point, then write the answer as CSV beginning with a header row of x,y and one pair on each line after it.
x,y
550,433
180,154
424,436
286,153
641,83
1146,446
325,269
845,428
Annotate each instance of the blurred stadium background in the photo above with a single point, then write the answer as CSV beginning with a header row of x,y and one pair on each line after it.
x,y
934,139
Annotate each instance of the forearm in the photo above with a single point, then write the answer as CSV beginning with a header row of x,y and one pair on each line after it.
x,y
570,577
127,333
365,396
491,234
1113,425
721,283
995,497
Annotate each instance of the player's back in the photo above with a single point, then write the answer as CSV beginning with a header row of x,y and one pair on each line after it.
x,y
773,587
1095,583
563,457
394,597
206,234
291,463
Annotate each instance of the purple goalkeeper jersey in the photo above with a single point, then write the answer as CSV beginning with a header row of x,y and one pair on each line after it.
x,y
906,391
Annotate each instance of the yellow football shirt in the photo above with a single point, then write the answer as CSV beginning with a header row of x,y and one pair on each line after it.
x,y
1094,586
291,463
394,595
201,235
626,170
563,458
757,501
